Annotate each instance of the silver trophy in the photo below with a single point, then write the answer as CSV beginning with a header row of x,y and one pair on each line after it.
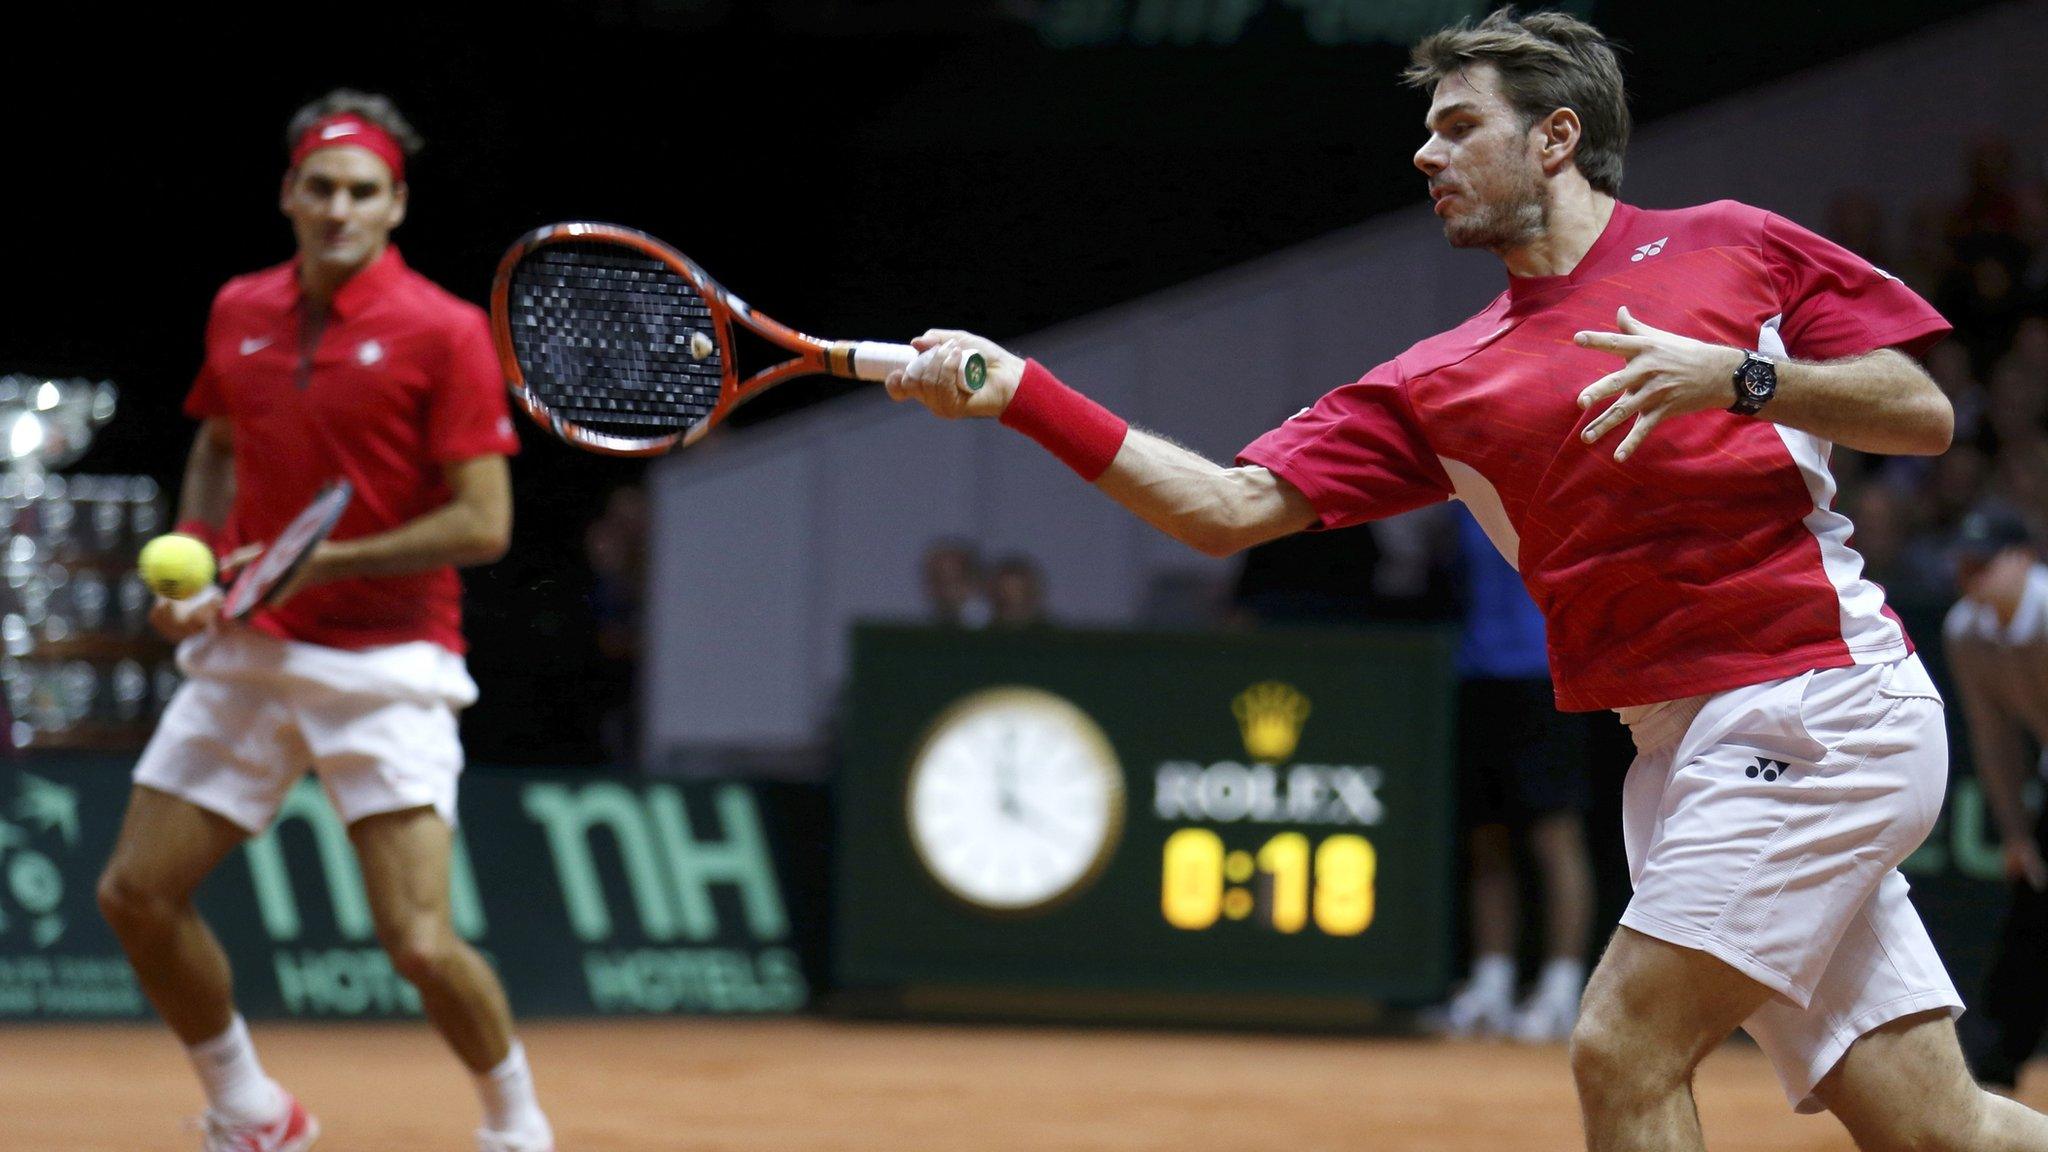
x,y
46,424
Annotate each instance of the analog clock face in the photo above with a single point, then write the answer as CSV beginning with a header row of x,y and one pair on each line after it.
x,y
1016,800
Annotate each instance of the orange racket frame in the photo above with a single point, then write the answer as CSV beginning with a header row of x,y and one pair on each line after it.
x,y
851,359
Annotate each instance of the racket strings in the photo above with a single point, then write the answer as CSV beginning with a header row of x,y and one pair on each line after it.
x,y
604,337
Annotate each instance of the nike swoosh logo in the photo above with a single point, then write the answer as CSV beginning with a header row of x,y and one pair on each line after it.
x,y
332,131
254,344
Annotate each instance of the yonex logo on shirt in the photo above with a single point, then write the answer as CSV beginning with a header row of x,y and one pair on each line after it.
x,y
369,352
1766,768
1650,249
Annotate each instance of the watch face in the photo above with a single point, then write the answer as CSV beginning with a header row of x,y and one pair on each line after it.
x,y
1759,377
1015,800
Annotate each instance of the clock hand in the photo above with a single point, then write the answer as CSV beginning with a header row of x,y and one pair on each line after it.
x,y
1037,821
1006,773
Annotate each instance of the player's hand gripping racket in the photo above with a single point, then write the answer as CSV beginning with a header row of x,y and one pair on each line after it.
x,y
618,343
263,578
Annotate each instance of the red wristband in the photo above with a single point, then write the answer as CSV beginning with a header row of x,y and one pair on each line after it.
x,y
1083,434
201,531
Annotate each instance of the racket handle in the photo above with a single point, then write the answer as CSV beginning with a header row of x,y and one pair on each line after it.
x,y
873,361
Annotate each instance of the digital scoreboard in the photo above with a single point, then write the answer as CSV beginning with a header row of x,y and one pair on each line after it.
x,y
1182,821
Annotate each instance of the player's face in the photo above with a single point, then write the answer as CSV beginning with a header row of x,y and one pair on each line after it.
x,y
343,206
1482,162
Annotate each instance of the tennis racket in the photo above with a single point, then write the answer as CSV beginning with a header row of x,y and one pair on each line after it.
x,y
263,577
618,343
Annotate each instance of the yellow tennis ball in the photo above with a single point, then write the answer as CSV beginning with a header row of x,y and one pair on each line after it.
x,y
176,566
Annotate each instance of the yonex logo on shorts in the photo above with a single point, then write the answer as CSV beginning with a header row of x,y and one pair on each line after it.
x,y
1768,769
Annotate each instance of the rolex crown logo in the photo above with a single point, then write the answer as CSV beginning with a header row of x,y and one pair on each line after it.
x,y
1270,715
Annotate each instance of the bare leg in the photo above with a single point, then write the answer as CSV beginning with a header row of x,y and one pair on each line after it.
x,y
405,859
1558,842
1496,902
166,847
1651,1013
1904,1086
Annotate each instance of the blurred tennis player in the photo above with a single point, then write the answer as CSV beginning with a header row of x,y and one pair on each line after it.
x,y
1998,649
342,363
1791,747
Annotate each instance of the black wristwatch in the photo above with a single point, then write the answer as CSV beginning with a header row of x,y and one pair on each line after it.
x,y
1755,383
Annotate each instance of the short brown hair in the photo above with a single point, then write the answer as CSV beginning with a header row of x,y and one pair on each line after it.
x,y
1547,61
371,106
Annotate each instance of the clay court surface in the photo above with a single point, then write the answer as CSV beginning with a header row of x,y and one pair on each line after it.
x,y
800,1085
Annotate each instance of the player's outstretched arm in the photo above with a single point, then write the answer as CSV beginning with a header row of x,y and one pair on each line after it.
x,y
1214,509
1878,402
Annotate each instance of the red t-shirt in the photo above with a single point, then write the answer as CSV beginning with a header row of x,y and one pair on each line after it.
x,y
1707,561
403,381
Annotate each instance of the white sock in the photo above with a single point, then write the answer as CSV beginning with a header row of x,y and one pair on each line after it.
x,y
233,1078
507,1093
1562,977
1493,973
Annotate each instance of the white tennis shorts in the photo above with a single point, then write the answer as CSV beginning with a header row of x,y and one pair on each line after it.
x,y
1768,834
257,713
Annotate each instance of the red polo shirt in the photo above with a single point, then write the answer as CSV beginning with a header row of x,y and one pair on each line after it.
x,y
1713,557
400,381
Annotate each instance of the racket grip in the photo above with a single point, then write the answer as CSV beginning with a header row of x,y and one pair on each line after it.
x,y
872,360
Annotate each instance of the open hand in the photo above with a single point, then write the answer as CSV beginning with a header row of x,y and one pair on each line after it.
x,y
1666,375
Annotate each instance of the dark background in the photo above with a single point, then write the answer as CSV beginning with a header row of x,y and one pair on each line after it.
x,y
856,168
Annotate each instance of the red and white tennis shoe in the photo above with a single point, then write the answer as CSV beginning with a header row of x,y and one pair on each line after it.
x,y
294,1131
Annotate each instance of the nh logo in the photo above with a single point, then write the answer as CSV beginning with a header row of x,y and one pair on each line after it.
x,y
1650,249
669,870
1766,768
278,904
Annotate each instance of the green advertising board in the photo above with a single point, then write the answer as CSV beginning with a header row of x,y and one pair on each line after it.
x,y
592,893
1210,822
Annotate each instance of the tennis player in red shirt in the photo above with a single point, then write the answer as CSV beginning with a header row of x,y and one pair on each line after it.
x,y
340,363
1642,423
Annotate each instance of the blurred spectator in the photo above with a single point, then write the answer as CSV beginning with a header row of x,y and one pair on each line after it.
x,y
1912,571
1522,777
615,546
1016,593
955,594
1983,298
1993,231
1997,644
